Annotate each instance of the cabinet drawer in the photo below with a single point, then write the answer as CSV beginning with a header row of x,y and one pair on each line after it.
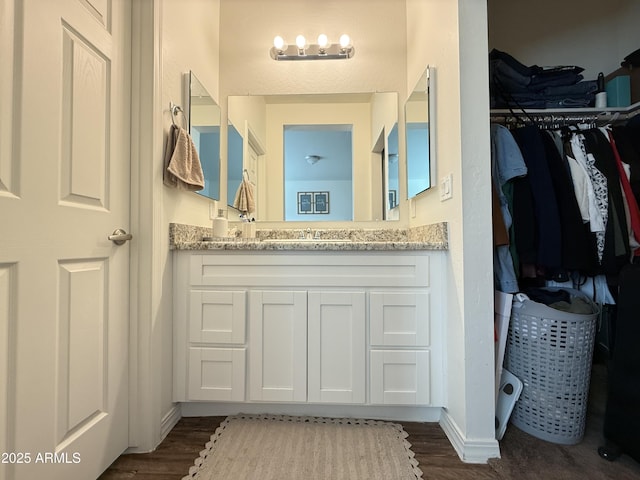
x,y
217,374
400,377
399,319
331,270
217,316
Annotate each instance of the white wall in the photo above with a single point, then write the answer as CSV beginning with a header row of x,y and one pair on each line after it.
x,y
189,40
451,37
592,34
249,26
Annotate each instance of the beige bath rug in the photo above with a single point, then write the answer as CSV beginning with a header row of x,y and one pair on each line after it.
x,y
277,447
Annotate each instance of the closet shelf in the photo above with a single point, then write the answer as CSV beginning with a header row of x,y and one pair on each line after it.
x,y
596,114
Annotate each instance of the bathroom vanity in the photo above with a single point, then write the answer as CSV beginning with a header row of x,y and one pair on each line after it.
x,y
285,321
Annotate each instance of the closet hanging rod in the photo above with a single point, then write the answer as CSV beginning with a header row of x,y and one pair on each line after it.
x,y
556,118
574,115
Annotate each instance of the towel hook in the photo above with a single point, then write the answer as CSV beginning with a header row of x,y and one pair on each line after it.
x,y
174,109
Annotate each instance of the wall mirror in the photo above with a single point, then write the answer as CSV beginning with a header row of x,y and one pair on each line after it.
x,y
203,114
281,173
418,124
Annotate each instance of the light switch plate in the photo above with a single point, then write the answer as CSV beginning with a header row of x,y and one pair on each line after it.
x,y
446,187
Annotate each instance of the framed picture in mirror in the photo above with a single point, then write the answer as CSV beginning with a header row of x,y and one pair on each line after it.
x,y
305,202
321,202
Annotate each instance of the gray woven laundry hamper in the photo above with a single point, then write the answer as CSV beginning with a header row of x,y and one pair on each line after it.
x,y
551,351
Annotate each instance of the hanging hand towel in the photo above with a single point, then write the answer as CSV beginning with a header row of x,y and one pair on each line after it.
x,y
244,200
184,170
167,178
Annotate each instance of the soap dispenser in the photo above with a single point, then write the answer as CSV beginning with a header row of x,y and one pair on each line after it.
x,y
220,225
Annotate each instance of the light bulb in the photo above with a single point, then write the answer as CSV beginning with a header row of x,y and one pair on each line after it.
x,y
323,41
345,41
301,42
278,43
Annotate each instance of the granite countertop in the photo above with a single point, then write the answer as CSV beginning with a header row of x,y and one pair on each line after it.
x,y
426,237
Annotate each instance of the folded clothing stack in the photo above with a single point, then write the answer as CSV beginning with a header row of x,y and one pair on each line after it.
x,y
513,84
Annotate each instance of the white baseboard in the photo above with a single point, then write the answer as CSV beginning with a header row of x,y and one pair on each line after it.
x,y
469,451
387,413
169,420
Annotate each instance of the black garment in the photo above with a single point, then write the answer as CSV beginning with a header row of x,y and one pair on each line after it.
x,y
617,252
547,296
524,223
622,417
547,218
626,139
579,251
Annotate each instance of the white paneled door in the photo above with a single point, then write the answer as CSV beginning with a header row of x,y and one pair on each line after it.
x,y
64,187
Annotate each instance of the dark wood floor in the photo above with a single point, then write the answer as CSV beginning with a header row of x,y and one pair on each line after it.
x,y
172,459
524,457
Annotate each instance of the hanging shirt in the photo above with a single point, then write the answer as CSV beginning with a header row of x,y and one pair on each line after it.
x,y
616,247
596,190
547,218
506,164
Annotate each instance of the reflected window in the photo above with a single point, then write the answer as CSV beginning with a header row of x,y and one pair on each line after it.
x,y
318,174
206,139
417,148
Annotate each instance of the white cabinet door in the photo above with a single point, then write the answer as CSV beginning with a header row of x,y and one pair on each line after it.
x,y
217,373
399,319
217,316
400,377
337,356
278,351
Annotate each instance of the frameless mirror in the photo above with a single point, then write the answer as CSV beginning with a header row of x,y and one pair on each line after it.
x,y
417,127
281,172
203,114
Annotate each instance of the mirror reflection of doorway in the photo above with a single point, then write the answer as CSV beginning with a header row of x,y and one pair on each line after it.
x,y
318,158
235,162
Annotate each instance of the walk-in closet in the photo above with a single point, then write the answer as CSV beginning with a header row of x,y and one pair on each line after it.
x,y
565,139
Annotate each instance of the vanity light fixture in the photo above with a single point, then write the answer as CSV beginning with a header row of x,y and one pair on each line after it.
x,y
323,50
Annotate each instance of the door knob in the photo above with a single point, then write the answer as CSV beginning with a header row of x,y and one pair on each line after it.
x,y
119,236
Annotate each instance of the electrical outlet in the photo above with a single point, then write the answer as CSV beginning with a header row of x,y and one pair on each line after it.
x,y
213,210
446,187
